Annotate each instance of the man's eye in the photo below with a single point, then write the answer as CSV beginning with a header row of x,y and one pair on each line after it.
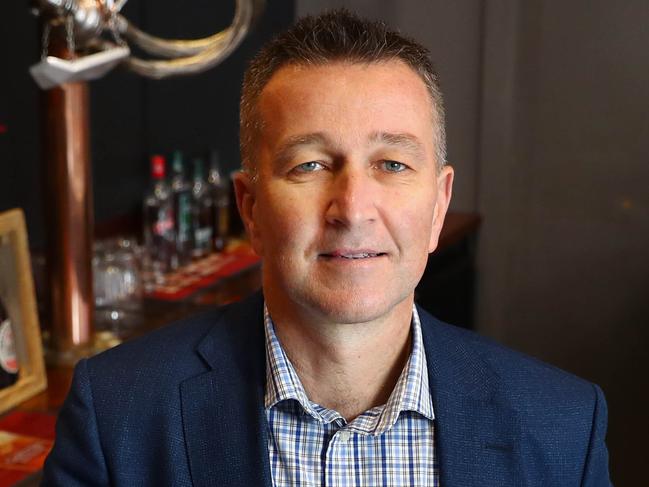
x,y
310,166
394,166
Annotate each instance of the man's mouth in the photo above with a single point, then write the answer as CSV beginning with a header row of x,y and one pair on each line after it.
x,y
352,255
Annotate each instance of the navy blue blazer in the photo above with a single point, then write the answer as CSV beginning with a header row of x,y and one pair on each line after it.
x,y
184,406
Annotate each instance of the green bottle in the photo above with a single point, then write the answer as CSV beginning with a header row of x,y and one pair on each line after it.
x,y
182,198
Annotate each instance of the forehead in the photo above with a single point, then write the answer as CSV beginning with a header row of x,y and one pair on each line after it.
x,y
344,99
384,69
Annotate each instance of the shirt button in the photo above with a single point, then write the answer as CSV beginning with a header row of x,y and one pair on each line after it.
x,y
344,436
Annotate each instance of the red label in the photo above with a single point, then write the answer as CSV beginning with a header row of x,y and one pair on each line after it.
x,y
158,166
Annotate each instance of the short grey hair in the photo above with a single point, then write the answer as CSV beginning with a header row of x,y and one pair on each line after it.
x,y
334,36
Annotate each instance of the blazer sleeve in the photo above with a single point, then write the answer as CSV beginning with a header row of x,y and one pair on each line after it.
x,y
596,468
76,458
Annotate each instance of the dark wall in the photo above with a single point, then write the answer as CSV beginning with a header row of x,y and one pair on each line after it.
x,y
131,117
564,267
20,184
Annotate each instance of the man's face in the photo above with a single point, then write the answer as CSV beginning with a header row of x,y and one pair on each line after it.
x,y
348,201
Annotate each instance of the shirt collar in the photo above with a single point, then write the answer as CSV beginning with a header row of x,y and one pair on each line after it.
x,y
411,392
282,382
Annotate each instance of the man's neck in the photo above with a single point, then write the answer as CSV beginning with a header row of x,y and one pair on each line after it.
x,y
349,368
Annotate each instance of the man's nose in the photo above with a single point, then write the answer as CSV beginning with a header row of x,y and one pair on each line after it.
x,y
352,198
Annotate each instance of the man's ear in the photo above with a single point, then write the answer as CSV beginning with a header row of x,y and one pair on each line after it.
x,y
245,191
442,200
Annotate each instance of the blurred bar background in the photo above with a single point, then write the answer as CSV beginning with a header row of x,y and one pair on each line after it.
x,y
548,129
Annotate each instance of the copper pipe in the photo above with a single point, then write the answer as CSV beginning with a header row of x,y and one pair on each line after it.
x,y
69,216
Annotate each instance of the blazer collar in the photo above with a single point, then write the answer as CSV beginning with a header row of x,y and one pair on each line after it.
x,y
476,432
222,410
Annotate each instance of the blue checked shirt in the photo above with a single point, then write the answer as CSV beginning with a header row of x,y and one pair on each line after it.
x,y
388,445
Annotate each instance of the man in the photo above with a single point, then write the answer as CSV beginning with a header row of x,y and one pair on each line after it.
x,y
333,377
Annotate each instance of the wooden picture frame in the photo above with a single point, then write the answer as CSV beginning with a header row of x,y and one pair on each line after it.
x,y
19,301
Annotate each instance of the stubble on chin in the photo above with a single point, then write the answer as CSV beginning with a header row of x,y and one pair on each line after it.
x,y
349,305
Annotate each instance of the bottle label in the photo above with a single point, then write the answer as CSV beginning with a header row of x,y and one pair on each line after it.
x,y
184,217
202,236
158,167
164,224
8,359
223,222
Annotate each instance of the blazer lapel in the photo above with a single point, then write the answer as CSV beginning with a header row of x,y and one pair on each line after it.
x,y
222,410
476,432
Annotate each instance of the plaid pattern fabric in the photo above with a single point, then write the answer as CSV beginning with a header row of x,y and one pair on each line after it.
x,y
388,445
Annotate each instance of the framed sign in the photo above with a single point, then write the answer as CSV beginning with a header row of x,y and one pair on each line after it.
x,y
22,368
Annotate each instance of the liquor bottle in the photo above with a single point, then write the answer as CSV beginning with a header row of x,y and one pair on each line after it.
x,y
159,237
8,361
202,204
219,189
182,199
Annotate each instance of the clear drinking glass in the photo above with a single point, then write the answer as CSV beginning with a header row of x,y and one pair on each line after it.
x,y
117,285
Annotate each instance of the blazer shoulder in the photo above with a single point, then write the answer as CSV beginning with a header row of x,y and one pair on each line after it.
x,y
174,349
519,374
177,337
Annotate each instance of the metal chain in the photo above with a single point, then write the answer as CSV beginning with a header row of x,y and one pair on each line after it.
x,y
45,39
69,33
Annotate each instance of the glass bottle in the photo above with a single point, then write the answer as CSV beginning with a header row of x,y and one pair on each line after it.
x,y
159,238
182,200
219,189
202,204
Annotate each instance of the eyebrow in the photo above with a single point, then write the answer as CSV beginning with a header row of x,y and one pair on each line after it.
x,y
398,140
287,148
